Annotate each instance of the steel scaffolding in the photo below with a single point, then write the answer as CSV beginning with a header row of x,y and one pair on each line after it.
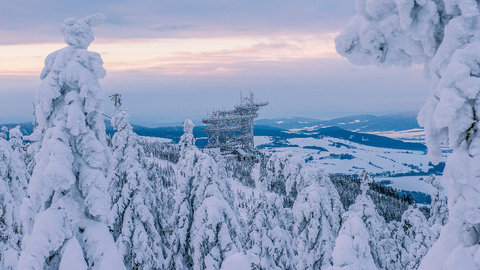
x,y
229,130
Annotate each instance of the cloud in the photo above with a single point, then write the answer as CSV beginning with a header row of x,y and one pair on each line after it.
x,y
32,21
177,56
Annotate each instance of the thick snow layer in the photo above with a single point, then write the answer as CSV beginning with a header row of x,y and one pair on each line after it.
x,y
352,250
409,183
444,37
410,135
237,261
340,156
67,194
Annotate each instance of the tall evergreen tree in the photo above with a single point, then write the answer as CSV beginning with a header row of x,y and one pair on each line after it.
x,y
438,207
317,213
134,200
184,200
352,249
65,213
13,182
208,230
444,37
414,237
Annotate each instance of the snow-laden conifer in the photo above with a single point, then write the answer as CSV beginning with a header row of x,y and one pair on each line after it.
x,y
68,203
352,249
311,210
443,36
374,224
317,212
438,207
215,225
4,132
207,227
184,200
415,238
134,200
13,183
269,244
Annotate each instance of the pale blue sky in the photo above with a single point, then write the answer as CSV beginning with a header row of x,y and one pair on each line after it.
x,y
178,59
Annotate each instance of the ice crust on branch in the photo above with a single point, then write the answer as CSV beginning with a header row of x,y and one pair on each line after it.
x,y
443,36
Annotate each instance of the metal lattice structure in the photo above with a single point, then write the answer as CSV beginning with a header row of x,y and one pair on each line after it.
x,y
231,130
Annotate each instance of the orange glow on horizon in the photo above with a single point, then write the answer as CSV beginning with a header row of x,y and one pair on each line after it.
x,y
176,56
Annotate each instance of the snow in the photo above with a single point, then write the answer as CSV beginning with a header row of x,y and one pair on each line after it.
x,y
351,247
444,37
237,261
67,193
409,183
409,135
375,160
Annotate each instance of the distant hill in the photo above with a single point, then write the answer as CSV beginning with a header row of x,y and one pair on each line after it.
x,y
341,128
174,133
358,123
367,139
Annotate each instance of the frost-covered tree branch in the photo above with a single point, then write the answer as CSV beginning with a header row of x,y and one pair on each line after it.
x,y
443,36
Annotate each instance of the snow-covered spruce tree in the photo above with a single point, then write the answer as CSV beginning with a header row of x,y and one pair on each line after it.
x,y
352,249
134,201
13,183
187,140
215,225
269,241
438,207
259,245
443,35
18,145
184,200
281,173
317,212
68,203
207,227
269,244
311,210
3,132
375,225
414,238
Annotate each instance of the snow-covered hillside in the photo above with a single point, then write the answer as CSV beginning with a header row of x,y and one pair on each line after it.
x,y
346,157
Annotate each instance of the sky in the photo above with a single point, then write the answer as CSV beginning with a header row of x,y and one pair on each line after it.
x,y
178,59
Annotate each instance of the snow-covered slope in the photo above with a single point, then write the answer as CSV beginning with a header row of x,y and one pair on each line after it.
x,y
342,156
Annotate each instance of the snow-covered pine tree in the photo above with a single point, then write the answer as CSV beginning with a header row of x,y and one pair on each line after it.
x,y
438,207
187,140
280,174
352,249
269,244
269,241
217,230
443,36
4,132
134,201
317,212
414,238
65,213
184,201
390,248
13,183
259,246
375,225
208,230
16,141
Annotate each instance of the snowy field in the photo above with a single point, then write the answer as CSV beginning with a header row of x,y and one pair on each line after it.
x,y
410,135
340,156
409,183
